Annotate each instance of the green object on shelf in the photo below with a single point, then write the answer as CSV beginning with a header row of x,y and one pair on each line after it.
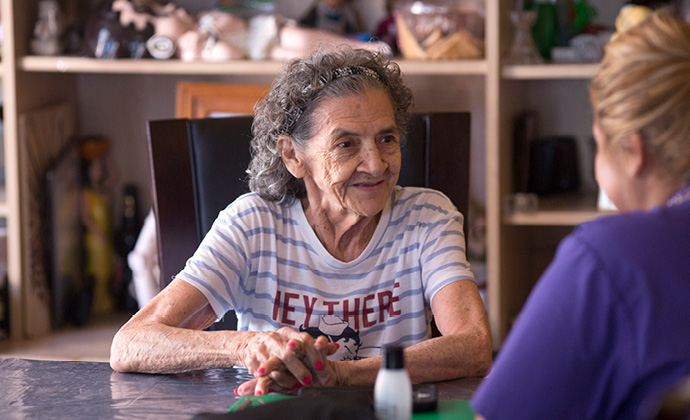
x,y
545,30
584,15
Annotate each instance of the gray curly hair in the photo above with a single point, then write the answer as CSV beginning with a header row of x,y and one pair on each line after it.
x,y
288,109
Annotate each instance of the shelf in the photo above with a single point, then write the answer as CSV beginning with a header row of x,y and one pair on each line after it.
x,y
236,67
550,71
146,66
561,210
454,68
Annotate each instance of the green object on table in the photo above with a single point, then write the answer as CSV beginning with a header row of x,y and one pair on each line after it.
x,y
254,400
447,409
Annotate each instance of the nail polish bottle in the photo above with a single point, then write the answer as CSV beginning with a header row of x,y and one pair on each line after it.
x,y
393,389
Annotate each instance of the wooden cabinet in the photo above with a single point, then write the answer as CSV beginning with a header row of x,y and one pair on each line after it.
x,y
116,97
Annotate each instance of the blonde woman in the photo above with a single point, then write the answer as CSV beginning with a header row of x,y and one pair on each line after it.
x,y
606,329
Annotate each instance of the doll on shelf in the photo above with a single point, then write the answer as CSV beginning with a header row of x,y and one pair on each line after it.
x,y
95,214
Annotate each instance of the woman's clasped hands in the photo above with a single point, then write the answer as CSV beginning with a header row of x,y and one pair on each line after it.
x,y
285,360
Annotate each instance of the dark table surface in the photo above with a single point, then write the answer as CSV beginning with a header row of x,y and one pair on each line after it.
x,y
38,389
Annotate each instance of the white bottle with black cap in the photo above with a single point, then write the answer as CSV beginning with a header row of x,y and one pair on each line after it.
x,y
393,389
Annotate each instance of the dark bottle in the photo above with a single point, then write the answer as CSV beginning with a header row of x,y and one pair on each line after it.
x,y
126,239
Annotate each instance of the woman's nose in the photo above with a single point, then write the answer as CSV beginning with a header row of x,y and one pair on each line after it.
x,y
373,161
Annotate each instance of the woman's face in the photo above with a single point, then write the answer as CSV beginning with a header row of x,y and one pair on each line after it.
x,y
353,161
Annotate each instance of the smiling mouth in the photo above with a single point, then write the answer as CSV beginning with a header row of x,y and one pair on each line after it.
x,y
367,184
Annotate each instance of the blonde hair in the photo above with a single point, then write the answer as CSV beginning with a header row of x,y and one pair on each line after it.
x,y
643,86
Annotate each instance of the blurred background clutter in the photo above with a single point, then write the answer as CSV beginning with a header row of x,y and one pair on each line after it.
x,y
219,30
566,31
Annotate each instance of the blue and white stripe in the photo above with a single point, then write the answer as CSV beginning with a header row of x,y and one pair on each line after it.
x,y
263,260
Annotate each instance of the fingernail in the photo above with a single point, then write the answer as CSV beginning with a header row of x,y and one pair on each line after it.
x,y
260,370
337,346
307,381
319,366
259,392
237,391
291,345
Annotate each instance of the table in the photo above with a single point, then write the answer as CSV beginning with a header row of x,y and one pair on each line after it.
x,y
39,389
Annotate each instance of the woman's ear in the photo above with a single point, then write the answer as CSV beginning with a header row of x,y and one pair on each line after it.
x,y
289,154
634,155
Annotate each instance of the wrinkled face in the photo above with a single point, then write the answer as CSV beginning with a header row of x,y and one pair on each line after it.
x,y
353,161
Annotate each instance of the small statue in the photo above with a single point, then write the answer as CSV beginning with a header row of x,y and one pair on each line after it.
x,y
48,30
219,36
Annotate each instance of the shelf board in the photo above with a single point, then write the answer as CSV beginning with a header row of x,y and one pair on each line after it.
x,y
146,66
448,67
560,210
550,71
235,67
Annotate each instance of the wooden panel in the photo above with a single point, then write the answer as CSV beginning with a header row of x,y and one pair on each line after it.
x,y
200,100
42,135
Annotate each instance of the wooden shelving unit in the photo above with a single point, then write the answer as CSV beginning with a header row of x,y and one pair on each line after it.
x,y
549,71
117,96
562,210
237,67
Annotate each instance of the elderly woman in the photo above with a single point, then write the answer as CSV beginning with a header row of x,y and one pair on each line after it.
x,y
327,256
606,329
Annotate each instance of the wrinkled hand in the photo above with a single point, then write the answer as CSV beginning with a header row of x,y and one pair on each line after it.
x,y
285,360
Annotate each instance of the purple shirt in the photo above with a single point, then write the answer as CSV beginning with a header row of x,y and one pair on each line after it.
x,y
606,329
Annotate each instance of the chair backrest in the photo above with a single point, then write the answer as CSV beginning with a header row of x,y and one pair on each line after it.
x,y
198,168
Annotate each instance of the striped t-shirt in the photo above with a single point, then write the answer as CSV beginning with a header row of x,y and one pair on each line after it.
x,y
264,260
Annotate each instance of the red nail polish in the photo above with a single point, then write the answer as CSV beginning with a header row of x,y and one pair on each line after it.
x,y
307,381
260,370
337,346
291,345
319,366
237,392
259,392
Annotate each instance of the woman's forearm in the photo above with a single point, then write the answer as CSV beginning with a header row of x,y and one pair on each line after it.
x,y
163,349
449,357
437,359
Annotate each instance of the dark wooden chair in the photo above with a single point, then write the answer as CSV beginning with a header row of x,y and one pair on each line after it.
x,y
198,168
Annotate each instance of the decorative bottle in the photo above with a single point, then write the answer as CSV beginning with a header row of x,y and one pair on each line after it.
x,y
393,388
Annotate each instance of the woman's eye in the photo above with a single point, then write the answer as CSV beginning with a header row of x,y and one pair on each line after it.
x,y
344,144
388,139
